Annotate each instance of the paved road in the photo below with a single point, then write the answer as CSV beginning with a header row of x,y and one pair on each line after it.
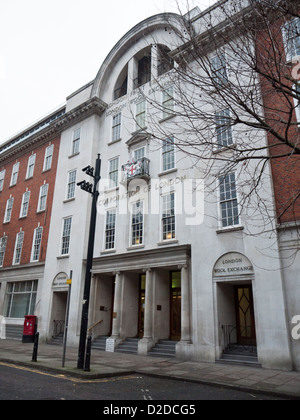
x,y
19,383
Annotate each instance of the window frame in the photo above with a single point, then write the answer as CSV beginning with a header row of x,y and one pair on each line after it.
x,y
2,178
110,232
6,219
42,202
168,150
48,158
3,244
30,166
14,174
165,222
140,114
113,172
18,248
230,198
66,236
293,50
71,185
116,127
35,244
224,134
76,141
137,226
22,215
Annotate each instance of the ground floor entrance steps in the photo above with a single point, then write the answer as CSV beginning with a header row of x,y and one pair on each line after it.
x,y
164,348
129,345
100,343
240,355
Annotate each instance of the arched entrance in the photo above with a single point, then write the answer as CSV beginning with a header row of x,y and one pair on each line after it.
x,y
233,278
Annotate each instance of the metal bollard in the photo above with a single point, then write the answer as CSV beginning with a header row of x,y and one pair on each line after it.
x,y
88,354
35,347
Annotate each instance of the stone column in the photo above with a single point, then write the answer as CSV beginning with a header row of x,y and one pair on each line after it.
x,y
185,304
146,343
148,315
117,307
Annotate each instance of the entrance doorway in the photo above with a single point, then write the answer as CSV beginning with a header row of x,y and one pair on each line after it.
x,y
175,306
142,287
245,322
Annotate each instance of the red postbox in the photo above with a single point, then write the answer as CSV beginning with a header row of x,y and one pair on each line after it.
x,y
29,330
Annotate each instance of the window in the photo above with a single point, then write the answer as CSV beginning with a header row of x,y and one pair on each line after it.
x,y
43,197
30,166
137,223
291,38
219,71
48,158
18,247
20,299
25,204
168,102
168,216
113,174
3,242
2,176
168,154
65,243
36,245
14,174
139,153
110,229
71,184
140,116
116,127
228,200
8,210
76,141
223,128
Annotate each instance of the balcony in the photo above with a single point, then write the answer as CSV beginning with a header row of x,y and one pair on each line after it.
x,y
136,169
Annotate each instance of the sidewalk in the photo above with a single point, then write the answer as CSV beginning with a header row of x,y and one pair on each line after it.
x,y
103,364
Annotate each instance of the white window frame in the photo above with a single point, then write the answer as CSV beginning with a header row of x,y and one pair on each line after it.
x,y
48,158
116,127
106,230
230,198
30,166
14,174
168,149
134,211
2,177
76,140
140,114
291,46
42,203
25,204
8,210
224,134
18,248
171,236
71,185
66,236
3,243
36,244
168,102
297,103
219,68
113,172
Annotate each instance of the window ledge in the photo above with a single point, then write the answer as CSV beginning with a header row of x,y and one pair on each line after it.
x,y
167,242
61,257
230,229
169,171
134,247
108,251
67,200
169,117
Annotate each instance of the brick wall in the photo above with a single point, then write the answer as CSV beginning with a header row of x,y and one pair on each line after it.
x,y
278,107
34,218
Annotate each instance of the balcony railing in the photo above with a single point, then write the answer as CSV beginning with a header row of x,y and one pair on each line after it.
x,y
136,169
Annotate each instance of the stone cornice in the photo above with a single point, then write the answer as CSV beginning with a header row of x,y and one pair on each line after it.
x,y
93,106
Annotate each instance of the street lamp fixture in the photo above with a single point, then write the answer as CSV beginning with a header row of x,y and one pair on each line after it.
x,y
91,189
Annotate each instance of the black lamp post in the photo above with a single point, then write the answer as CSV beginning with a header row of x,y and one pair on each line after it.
x,y
92,189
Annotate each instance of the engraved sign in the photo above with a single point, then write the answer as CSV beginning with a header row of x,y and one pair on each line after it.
x,y
232,264
110,345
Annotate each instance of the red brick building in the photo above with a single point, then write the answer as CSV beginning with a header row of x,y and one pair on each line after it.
x,y
280,75
28,166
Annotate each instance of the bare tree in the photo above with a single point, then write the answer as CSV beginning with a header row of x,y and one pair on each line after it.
x,y
231,100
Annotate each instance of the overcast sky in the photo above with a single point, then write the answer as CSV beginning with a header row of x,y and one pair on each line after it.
x,y
49,49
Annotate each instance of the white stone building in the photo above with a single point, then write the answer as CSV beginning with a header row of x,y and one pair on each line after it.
x,y
168,264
